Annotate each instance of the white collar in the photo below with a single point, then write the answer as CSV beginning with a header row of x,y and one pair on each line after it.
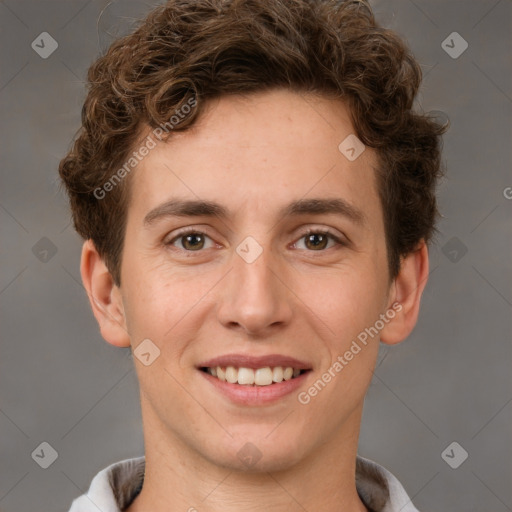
x,y
114,488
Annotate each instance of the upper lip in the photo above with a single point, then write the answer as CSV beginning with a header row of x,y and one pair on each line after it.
x,y
245,361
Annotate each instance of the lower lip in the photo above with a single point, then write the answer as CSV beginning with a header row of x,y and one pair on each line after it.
x,y
256,395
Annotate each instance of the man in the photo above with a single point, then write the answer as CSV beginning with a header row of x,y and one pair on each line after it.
x,y
256,197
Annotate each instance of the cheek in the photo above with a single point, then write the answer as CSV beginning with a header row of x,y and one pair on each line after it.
x,y
350,305
344,302
161,301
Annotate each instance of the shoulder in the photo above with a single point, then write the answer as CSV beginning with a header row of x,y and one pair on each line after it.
x,y
379,489
113,488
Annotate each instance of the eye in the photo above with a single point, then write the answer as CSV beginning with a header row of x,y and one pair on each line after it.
x,y
191,241
314,240
317,240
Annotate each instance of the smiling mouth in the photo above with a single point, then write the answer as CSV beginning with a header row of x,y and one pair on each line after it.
x,y
265,376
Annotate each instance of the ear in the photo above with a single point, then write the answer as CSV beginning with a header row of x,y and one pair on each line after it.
x,y
405,295
104,296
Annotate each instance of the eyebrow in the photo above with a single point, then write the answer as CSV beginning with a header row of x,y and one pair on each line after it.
x,y
199,208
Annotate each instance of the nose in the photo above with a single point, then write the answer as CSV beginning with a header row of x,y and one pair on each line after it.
x,y
255,297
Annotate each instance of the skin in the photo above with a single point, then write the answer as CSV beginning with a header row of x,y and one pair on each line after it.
x,y
254,155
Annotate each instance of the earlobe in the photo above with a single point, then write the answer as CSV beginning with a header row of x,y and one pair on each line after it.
x,y
406,294
104,296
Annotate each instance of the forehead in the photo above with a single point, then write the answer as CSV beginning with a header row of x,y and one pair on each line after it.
x,y
259,151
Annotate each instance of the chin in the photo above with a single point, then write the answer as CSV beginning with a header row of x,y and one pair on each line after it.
x,y
255,450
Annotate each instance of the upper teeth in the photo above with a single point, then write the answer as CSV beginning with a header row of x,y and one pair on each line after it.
x,y
259,377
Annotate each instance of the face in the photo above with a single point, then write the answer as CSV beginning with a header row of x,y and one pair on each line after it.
x,y
252,241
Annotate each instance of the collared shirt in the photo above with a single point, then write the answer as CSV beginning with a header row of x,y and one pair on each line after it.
x,y
114,488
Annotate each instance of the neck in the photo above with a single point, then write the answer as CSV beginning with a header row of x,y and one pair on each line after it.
x,y
178,478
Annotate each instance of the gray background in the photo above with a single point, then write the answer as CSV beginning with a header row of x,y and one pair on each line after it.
x,y
450,381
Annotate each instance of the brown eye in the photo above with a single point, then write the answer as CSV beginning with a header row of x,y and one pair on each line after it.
x,y
319,240
316,241
191,241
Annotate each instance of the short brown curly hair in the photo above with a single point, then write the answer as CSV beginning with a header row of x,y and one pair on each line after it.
x,y
196,50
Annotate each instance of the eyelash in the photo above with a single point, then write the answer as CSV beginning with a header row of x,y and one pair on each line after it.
x,y
310,231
